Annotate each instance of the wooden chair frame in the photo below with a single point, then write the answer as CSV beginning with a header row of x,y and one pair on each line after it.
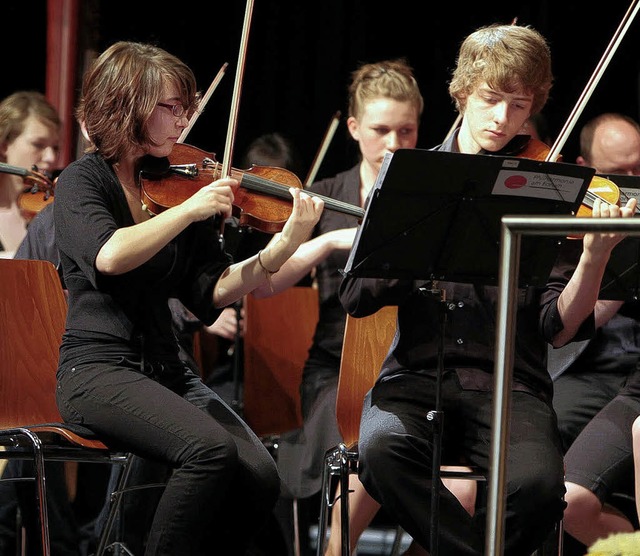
x,y
366,343
32,319
279,332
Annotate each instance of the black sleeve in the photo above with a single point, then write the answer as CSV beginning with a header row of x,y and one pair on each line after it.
x,y
40,242
361,297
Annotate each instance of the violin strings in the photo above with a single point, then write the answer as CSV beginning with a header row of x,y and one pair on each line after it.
x,y
263,185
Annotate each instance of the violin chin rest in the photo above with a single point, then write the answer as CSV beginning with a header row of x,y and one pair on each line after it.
x,y
153,166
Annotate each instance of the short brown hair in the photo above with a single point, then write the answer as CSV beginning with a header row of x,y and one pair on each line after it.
x,y
121,90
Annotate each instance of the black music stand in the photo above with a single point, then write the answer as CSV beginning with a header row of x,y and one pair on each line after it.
x,y
436,215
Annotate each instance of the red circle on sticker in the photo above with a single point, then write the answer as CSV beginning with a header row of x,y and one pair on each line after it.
x,y
514,182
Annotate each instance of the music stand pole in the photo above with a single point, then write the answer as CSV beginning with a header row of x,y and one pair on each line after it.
x,y
436,417
512,230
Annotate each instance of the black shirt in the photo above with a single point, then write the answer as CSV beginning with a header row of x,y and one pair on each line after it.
x,y
326,349
129,311
470,331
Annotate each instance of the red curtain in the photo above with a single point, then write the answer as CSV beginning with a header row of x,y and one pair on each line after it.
x,y
62,41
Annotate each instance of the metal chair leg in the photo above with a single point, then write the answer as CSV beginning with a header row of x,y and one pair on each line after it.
x,y
339,461
115,503
296,529
325,500
345,535
397,541
40,483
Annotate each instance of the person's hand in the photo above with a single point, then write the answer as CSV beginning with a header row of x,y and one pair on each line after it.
x,y
226,325
599,243
304,216
213,199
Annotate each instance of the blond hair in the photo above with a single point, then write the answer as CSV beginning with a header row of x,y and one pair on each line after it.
x,y
507,58
392,79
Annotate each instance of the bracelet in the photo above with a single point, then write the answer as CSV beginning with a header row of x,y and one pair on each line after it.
x,y
268,273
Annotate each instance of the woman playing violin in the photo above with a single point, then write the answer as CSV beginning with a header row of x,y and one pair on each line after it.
x,y
29,137
119,371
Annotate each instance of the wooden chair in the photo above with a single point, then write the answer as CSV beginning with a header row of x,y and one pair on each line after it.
x,y
32,320
366,343
279,332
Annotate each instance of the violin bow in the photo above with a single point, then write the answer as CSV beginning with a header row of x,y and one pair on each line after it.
x,y
453,127
203,102
235,100
324,145
554,152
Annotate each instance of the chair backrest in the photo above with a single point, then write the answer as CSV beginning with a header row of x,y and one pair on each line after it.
x,y
33,310
279,332
366,343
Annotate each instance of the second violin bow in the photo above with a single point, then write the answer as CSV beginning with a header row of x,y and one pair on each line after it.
x,y
203,102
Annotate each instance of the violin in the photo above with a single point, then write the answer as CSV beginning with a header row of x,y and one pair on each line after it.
x,y
37,193
262,199
599,188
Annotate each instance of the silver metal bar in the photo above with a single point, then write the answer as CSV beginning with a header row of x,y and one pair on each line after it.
x,y
513,227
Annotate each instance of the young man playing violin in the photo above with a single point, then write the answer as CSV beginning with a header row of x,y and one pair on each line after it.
x,y
502,77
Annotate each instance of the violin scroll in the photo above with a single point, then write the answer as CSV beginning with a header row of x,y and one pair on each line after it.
x,y
38,189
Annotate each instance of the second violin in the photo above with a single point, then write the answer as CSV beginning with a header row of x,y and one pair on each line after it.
x,y
262,201
38,190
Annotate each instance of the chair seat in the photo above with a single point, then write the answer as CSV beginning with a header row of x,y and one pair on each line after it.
x,y
57,443
78,436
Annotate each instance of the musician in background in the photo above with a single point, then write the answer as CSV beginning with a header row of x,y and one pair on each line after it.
x,y
597,382
385,106
29,137
272,149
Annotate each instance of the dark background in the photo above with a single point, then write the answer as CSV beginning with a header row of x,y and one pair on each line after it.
x,y
300,54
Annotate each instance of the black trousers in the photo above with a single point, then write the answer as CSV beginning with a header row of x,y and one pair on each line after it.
x,y
396,447
224,482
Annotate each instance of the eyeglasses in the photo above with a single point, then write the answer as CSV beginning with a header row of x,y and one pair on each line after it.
x,y
176,109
